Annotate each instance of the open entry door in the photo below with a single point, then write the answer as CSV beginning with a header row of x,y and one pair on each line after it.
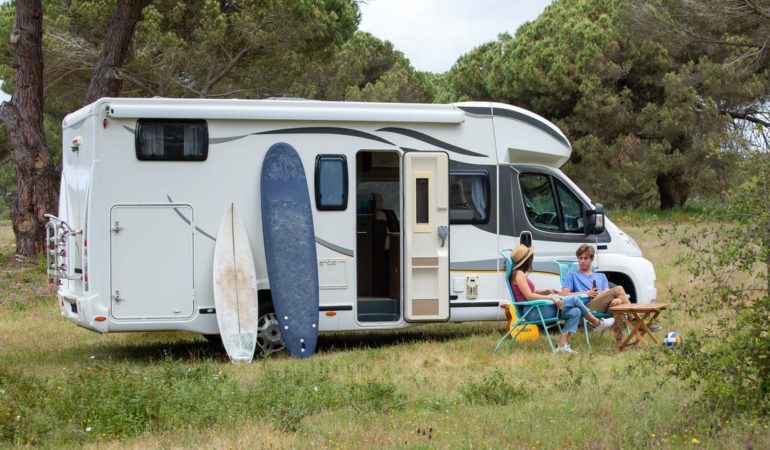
x,y
426,236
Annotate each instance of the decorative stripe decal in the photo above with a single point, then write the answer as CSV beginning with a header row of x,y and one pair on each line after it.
x,y
486,264
334,247
336,308
474,304
431,140
529,120
328,130
188,222
222,140
477,110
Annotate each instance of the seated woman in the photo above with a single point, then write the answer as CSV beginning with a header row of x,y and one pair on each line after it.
x,y
571,309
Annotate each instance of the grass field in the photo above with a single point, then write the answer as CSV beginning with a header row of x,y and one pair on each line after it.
x,y
436,386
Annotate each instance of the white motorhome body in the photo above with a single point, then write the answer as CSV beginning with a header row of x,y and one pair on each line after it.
x,y
411,204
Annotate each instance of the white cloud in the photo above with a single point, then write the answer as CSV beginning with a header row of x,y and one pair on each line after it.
x,y
434,33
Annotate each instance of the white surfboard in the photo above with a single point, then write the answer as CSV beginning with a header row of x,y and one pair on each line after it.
x,y
235,288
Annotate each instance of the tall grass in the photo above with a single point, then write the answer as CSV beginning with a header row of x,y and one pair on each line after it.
x,y
435,386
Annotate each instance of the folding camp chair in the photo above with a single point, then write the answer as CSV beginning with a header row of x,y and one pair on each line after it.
x,y
570,265
533,312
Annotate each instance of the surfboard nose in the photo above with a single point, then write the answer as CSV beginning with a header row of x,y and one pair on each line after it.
x,y
283,164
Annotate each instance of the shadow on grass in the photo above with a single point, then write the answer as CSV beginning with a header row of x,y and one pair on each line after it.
x,y
193,348
189,348
360,340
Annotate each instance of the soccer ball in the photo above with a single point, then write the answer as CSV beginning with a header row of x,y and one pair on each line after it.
x,y
673,339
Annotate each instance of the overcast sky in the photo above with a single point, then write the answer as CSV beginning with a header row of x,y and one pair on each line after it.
x,y
434,33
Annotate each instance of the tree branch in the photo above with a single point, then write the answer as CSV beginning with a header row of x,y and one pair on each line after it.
x,y
747,116
225,70
139,83
759,10
226,94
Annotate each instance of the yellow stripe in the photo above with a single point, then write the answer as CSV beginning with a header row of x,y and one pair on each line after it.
x,y
499,271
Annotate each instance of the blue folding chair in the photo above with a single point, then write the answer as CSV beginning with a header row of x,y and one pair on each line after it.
x,y
532,312
571,265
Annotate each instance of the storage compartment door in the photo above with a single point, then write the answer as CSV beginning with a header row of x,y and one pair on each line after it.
x,y
151,262
426,233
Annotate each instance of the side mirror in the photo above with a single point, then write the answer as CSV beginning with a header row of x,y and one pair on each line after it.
x,y
594,220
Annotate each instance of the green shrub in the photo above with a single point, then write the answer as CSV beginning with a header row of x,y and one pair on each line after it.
x,y
105,401
493,389
733,367
730,362
289,395
379,396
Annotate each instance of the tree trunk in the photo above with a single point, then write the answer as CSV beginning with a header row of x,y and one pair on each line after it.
x,y
36,178
673,189
106,80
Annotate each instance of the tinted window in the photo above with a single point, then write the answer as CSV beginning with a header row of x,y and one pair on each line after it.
x,y
550,204
539,201
331,182
171,140
468,197
422,193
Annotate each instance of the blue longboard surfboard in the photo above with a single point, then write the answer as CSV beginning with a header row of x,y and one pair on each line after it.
x,y
289,240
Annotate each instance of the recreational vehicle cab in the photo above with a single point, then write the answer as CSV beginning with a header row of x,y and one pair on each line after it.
x,y
410,205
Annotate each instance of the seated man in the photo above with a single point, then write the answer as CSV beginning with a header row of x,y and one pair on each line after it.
x,y
595,285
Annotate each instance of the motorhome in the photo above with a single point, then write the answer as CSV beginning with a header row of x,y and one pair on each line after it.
x,y
411,204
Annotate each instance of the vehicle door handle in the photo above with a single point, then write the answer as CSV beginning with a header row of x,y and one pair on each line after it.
x,y
443,232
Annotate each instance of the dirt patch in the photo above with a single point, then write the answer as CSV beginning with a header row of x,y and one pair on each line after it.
x,y
9,261
22,280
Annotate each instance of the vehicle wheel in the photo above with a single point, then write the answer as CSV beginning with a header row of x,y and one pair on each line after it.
x,y
269,340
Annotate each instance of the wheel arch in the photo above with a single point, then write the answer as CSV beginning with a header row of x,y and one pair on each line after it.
x,y
621,279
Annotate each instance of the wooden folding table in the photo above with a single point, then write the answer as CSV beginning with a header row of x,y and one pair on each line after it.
x,y
639,319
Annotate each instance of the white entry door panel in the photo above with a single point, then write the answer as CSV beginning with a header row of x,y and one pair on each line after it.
x,y
426,236
151,262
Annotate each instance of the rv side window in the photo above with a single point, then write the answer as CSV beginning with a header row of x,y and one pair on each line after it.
x,y
550,205
468,197
171,140
331,182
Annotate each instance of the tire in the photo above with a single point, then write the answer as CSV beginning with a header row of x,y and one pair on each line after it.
x,y
269,340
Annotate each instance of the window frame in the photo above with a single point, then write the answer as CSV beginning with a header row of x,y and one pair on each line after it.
x,y
552,179
487,194
331,157
143,157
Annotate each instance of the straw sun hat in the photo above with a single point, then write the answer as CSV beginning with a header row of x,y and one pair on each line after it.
x,y
520,254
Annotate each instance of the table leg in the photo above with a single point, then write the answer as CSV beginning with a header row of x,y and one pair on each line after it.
x,y
638,331
648,326
631,326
